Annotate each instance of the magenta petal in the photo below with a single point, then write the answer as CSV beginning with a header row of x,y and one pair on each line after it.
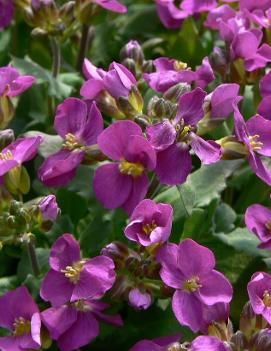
x,y
112,5
92,72
161,135
7,165
59,168
258,125
96,278
173,164
20,84
138,192
245,45
146,345
240,127
139,150
203,258
215,288
209,343
114,139
191,107
84,329
187,309
10,343
259,168
36,328
94,125
58,320
264,107
222,99
169,273
71,116
91,88
56,288
265,85
256,218
24,149
111,187
65,252
207,151
139,299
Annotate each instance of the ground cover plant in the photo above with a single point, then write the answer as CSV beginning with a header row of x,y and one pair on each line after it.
x,y
135,174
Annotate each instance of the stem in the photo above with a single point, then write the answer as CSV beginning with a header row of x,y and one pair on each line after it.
x,y
56,57
86,39
33,259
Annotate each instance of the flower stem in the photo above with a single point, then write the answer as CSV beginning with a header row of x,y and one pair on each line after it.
x,y
56,57
86,39
33,259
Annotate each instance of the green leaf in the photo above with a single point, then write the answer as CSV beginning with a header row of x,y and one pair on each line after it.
x,y
243,240
224,218
56,88
24,266
7,283
50,143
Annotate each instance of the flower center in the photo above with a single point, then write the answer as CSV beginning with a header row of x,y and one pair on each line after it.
x,y
81,305
71,142
149,227
267,298
130,168
21,326
175,347
191,285
255,143
73,272
6,156
182,131
179,65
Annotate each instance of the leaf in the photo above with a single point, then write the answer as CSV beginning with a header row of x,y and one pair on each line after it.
x,y
50,144
56,88
243,240
187,197
7,283
224,218
24,266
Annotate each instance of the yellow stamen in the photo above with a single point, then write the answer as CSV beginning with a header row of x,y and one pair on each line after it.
x,y
191,285
255,144
179,65
130,168
73,272
81,305
6,156
21,326
267,298
71,142
149,227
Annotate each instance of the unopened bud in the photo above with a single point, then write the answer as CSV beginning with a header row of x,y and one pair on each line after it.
x,y
66,12
161,108
218,60
107,104
232,148
238,341
133,50
250,322
130,64
148,66
6,111
118,251
132,105
261,341
6,137
176,91
17,180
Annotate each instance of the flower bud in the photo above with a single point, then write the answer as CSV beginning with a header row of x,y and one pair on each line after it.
x,y
133,104
176,91
232,148
262,340
49,208
85,10
66,12
250,322
107,104
133,50
221,330
17,180
238,341
6,137
161,108
148,66
118,251
218,60
6,111
130,64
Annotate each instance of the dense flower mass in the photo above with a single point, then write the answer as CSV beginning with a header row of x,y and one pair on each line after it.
x,y
143,128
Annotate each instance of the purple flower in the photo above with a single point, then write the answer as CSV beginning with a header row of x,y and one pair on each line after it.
x,y
221,13
265,90
204,74
221,100
111,5
21,150
254,5
124,183
150,223
12,83
196,6
209,343
72,278
118,81
6,13
259,291
79,125
173,139
246,45
20,315
94,84
159,344
49,208
265,85
189,268
139,298
170,15
215,314
254,134
258,221
76,324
